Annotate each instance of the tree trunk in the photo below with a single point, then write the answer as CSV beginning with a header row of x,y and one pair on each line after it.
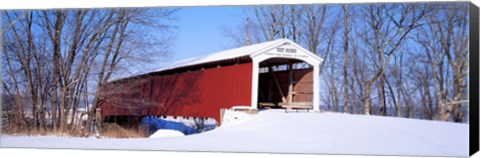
x,y
345,60
381,94
367,110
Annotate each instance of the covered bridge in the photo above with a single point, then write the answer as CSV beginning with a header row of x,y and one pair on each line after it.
x,y
277,73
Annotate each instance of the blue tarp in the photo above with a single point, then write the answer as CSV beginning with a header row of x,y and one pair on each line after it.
x,y
155,124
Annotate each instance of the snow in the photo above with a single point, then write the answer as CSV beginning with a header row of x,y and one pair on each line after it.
x,y
219,56
302,132
162,133
233,117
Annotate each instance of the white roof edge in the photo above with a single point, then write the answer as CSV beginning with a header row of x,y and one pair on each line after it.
x,y
305,50
281,41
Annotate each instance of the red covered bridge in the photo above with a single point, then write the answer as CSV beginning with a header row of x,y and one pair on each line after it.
x,y
277,73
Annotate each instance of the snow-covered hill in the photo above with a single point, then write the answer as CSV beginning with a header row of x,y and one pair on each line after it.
x,y
302,132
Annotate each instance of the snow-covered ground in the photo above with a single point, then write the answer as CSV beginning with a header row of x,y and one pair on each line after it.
x,y
162,133
302,132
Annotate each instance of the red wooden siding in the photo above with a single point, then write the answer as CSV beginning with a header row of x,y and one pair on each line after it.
x,y
199,93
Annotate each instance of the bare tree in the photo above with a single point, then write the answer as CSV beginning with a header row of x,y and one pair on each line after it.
x,y
388,27
314,23
54,54
346,31
448,44
124,19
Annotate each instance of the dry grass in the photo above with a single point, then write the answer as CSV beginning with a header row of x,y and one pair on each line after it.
x,y
22,129
109,130
112,130
29,130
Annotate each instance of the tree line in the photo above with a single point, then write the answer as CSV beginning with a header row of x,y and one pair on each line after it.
x,y
390,59
55,61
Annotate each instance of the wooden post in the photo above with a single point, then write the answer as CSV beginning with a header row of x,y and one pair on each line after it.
x,y
98,119
270,93
270,84
290,83
278,85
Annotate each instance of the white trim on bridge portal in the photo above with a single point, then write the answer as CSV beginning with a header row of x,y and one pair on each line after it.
x,y
300,54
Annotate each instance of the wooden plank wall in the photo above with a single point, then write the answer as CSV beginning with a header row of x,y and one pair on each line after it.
x,y
302,87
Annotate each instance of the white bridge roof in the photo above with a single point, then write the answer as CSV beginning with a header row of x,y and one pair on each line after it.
x,y
215,57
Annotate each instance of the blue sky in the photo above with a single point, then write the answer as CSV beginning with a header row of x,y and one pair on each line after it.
x,y
200,30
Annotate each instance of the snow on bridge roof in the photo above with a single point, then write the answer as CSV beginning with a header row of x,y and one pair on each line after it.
x,y
215,57
219,56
